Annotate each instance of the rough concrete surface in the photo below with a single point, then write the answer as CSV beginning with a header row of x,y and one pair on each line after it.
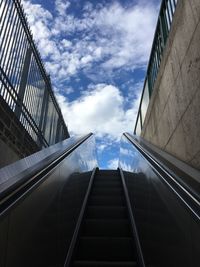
x,y
173,117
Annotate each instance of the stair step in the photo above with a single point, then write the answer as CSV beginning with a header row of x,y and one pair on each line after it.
x,y
105,264
107,191
102,227
109,173
107,178
106,249
106,200
105,187
106,212
107,183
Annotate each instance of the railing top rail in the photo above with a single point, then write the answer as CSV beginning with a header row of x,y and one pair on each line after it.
x,y
25,85
159,41
188,195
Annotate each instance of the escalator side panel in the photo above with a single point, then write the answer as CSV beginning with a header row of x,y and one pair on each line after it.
x,y
24,220
3,240
42,225
42,221
165,224
159,232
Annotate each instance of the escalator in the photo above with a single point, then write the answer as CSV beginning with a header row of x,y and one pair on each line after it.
x,y
58,209
106,235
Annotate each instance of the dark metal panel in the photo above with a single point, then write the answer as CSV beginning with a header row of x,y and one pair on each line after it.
x,y
3,240
164,220
42,220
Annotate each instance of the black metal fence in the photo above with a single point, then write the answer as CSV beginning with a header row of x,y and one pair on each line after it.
x,y
163,27
24,83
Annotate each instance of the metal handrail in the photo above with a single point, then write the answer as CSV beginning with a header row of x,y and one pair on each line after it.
x,y
132,220
189,200
10,196
163,27
79,221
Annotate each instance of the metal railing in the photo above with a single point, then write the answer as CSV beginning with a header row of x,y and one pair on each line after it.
x,y
184,191
24,83
163,27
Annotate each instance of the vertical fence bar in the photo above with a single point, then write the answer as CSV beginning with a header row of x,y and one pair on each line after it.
x,y
15,45
24,84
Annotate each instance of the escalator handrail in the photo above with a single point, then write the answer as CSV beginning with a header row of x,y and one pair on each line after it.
x,y
191,202
27,180
79,221
132,220
184,173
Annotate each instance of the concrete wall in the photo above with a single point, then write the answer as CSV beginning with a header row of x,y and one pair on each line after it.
x,y
15,142
8,155
173,118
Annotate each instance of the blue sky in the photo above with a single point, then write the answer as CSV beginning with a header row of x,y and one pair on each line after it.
x,y
96,53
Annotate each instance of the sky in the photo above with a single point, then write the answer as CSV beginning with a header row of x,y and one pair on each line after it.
x,y
96,52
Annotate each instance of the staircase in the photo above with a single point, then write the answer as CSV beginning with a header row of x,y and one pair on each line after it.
x,y
105,237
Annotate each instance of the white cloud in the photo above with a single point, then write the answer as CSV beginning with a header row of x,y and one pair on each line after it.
x,y
62,6
66,43
110,38
130,35
101,147
113,164
86,59
125,152
111,35
68,90
100,110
